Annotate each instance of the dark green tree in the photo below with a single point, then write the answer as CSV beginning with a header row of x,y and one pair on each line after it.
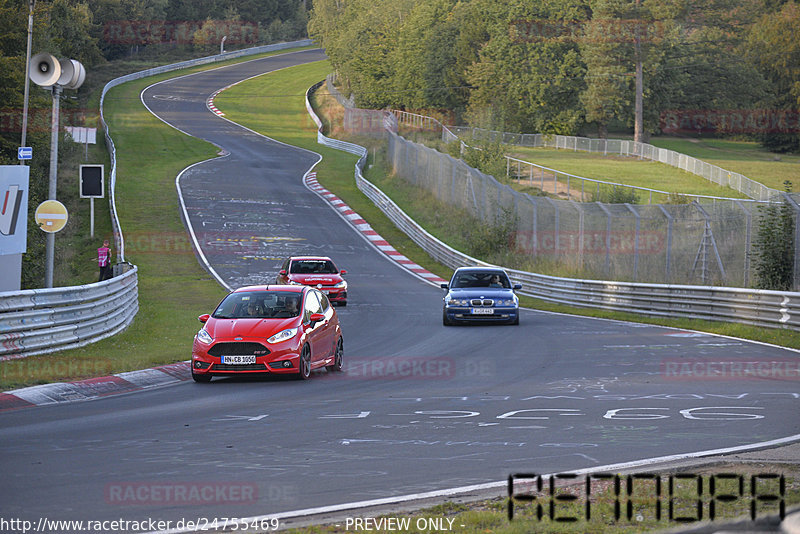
x,y
773,248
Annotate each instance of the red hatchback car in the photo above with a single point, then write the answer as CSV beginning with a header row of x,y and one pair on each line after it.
x,y
281,330
315,271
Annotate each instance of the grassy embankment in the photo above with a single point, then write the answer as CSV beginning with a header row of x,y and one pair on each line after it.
x,y
745,157
737,156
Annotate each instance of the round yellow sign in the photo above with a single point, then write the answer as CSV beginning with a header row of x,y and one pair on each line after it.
x,y
51,216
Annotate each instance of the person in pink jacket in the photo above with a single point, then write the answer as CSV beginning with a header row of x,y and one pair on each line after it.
x,y
104,261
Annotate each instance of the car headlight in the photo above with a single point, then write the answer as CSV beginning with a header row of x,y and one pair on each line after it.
x,y
204,337
341,284
457,302
293,283
283,335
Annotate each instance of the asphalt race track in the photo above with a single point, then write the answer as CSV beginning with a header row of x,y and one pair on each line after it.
x,y
421,407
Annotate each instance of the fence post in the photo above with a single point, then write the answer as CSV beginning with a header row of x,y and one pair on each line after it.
x,y
535,237
607,266
555,232
635,242
669,242
579,209
747,241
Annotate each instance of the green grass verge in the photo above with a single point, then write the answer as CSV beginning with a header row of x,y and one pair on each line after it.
x,y
745,157
624,170
173,288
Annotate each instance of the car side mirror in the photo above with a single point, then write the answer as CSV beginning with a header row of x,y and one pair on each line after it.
x,y
282,272
316,317
204,318
444,285
517,286
343,271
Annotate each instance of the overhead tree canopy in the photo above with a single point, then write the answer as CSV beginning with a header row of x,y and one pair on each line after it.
x,y
562,66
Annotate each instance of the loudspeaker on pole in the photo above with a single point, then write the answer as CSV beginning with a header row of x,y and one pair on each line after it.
x,y
72,74
45,69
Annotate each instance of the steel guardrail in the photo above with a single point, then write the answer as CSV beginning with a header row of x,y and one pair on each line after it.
x,y
772,309
38,321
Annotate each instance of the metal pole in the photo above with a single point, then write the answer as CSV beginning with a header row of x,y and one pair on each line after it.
x,y
91,217
51,238
31,5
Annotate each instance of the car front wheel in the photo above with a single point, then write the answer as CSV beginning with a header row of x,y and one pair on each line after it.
x,y
305,364
445,320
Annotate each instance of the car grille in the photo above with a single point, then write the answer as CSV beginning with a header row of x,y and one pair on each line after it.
x,y
238,349
484,302
239,367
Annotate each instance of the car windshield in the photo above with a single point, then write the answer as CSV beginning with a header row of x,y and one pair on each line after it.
x,y
481,279
313,267
259,305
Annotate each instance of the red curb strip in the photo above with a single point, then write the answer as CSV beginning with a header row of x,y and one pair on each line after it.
x,y
366,230
210,103
94,388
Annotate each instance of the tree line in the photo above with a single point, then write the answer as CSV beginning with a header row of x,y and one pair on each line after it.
x,y
567,66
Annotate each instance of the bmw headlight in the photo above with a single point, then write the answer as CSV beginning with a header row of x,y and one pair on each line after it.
x,y
204,337
457,302
283,335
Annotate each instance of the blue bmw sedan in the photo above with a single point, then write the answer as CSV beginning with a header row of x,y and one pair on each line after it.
x,y
480,294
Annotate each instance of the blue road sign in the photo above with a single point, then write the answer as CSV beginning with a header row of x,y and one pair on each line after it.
x,y
24,152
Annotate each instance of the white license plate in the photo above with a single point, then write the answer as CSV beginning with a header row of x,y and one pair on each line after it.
x,y
482,311
238,359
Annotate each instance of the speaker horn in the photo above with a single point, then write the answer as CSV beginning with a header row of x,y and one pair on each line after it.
x,y
45,69
72,74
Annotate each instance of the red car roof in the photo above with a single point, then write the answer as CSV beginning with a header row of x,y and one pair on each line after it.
x,y
273,287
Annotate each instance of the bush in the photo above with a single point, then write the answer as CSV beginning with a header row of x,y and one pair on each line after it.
x,y
616,195
489,159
